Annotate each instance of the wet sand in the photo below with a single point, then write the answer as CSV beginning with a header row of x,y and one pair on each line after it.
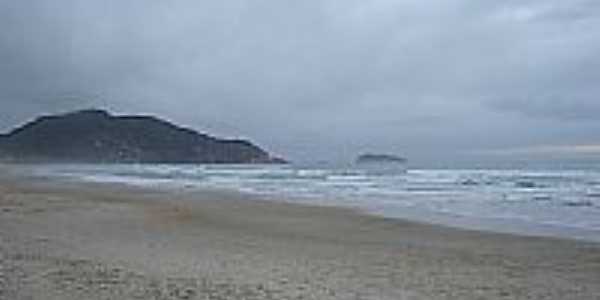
x,y
61,240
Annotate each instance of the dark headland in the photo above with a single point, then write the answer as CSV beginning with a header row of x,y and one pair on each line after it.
x,y
96,136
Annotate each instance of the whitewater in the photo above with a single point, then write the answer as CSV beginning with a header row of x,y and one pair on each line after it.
x,y
556,202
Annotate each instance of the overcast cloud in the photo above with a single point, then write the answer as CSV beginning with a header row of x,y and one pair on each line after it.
x,y
314,80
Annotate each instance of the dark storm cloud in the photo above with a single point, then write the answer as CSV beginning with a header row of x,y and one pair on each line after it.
x,y
316,78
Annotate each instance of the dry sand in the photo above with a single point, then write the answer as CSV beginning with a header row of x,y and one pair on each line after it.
x,y
76,241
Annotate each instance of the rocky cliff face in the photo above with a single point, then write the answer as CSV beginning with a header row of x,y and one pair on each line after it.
x,y
95,136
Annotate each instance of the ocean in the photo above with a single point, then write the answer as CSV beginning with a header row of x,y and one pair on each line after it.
x,y
562,202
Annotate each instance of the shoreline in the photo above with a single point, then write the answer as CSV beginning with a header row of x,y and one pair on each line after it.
x,y
410,214
190,245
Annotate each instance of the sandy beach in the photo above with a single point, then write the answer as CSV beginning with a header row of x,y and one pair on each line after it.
x,y
61,240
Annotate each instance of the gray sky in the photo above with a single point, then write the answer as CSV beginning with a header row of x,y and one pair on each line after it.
x,y
320,80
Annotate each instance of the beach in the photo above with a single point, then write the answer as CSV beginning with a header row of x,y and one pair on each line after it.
x,y
72,240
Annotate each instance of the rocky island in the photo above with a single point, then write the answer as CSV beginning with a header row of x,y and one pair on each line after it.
x,y
96,136
379,159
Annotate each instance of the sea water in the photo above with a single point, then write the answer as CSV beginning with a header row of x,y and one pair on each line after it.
x,y
540,201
